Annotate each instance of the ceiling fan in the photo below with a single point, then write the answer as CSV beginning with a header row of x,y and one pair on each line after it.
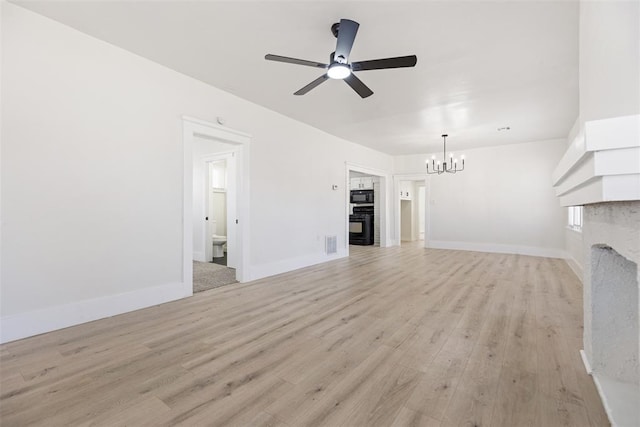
x,y
339,66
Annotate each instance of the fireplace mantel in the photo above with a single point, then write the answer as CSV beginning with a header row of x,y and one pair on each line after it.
x,y
602,164
601,171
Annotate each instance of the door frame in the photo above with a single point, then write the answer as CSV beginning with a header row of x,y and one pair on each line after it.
x,y
396,205
385,239
193,128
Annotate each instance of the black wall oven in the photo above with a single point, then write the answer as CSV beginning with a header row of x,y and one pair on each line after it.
x,y
361,196
361,226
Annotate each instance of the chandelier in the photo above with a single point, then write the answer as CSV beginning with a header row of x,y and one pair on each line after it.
x,y
442,167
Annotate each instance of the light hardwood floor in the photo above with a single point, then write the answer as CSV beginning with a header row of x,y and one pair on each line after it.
x,y
399,336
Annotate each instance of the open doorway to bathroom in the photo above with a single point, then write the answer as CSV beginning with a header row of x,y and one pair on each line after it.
x,y
215,194
205,142
216,248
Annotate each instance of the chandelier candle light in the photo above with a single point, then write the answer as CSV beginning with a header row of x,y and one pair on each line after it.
x,y
442,167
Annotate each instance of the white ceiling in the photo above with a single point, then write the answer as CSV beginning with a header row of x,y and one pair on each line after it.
x,y
481,65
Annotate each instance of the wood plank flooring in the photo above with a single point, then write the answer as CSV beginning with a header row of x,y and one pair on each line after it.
x,y
400,336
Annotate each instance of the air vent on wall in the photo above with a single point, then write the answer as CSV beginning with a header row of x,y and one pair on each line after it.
x,y
331,244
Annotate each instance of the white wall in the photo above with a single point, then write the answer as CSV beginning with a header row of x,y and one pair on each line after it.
x,y
415,205
377,213
609,66
575,251
92,162
420,207
573,238
503,200
609,59
219,212
609,87
410,211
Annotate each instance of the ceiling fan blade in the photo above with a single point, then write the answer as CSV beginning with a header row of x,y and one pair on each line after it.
x,y
378,64
312,85
346,36
296,61
357,85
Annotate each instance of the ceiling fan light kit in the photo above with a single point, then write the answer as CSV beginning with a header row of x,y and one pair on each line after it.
x,y
338,71
339,67
442,167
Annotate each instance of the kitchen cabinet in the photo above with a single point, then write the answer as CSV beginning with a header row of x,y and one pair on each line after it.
x,y
363,183
406,190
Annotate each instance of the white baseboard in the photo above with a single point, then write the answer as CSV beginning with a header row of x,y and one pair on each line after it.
x,y
23,325
497,248
199,256
620,400
585,361
574,266
279,267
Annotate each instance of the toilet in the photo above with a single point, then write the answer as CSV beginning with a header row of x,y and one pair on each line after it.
x,y
218,242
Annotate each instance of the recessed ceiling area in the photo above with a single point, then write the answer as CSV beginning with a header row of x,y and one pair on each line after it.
x,y
481,65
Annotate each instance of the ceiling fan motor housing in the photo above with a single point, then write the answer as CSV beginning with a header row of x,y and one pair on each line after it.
x,y
335,28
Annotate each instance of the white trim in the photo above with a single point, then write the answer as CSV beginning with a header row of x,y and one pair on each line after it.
x,y
620,400
498,248
210,125
385,238
290,264
574,229
621,405
585,361
603,398
32,323
575,266
601,164
356,167
195,127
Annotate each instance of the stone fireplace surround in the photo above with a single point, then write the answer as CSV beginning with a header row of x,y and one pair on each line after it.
x,y
601,171
611,238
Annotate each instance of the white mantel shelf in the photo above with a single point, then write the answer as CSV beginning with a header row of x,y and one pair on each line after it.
x,y
602,164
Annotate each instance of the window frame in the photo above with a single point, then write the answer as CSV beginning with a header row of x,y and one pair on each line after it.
x,y
574,218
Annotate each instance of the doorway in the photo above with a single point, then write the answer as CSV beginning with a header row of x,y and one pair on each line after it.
x,y
219,203
363,179
214,196
216,248
205,144
410,210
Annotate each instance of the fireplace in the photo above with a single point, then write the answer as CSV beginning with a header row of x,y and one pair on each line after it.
x,y
611,305
614,315
601,171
